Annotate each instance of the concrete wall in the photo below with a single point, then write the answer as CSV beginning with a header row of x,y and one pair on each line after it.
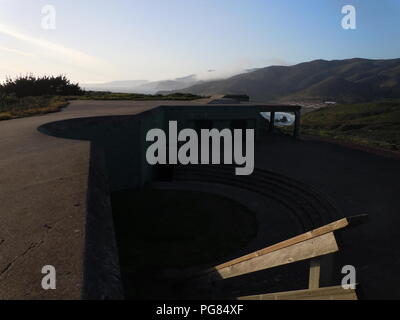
x,y
123,138
102,277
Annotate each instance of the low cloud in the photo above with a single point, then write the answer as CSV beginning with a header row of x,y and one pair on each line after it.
x,y
240,66
73,56
16,51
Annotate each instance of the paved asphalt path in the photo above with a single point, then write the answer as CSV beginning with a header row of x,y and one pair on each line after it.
x,y
43,183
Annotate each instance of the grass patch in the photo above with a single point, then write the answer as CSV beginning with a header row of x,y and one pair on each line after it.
x,y
373,124
13,108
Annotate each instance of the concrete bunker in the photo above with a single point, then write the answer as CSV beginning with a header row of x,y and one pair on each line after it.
x,y
118,163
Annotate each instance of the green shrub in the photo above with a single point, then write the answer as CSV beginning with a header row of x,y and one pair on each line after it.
x,y
25,86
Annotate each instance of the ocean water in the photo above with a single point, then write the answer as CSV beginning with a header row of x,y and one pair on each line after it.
x,y
280,118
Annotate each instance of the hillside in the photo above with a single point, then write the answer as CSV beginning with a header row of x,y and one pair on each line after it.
x,y
167,85
114,86
352,80
375,124
143,86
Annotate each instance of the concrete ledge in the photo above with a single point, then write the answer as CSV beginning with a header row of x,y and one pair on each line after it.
x,y
102,277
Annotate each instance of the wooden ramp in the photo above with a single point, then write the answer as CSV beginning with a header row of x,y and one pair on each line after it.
x,y
311,246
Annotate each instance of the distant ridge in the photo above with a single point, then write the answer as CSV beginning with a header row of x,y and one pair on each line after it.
x,y
143,86
351,80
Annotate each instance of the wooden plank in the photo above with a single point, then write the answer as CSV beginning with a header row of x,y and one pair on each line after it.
x,y
340,224
315,247
334,226
315,273
329,293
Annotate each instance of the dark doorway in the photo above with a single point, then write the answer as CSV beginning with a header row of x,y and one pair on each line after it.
x,y
239,124
203,124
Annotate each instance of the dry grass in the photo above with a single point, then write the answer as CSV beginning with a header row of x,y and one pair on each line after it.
x,y
12,108
30,106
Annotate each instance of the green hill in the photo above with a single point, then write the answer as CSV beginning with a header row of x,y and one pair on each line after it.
x,y
374,124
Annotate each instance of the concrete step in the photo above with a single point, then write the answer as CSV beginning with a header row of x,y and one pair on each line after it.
x,y
310,207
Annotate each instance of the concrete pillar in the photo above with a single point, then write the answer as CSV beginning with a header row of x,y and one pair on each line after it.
x,y
297,122
142,154
272,123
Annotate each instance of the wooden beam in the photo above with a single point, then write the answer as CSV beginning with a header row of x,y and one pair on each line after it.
x,y
340,224
329,293
329,228
308,249
315,273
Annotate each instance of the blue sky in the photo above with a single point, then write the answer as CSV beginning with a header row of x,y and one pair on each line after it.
x,y
99,40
